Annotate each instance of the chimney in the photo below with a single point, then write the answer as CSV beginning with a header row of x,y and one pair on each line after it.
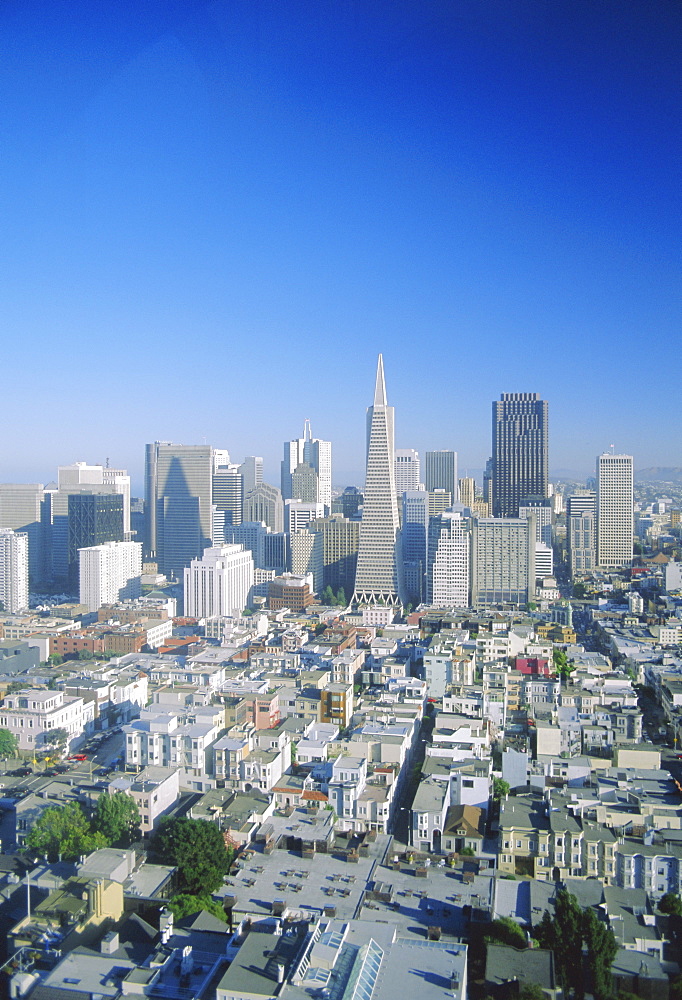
x,y
165,925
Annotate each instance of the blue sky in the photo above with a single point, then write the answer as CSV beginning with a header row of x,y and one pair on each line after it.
x,y
214,215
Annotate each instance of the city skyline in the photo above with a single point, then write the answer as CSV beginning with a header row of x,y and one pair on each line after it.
x,y
212,215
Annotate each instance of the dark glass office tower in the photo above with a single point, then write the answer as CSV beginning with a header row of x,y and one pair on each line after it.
x,y
519,451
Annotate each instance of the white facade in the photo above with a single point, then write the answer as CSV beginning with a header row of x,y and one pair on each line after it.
x,y
298,514
120,480
615,510
407,469
379,574
109,573
448,565
219,583
312,452
31,714
13,570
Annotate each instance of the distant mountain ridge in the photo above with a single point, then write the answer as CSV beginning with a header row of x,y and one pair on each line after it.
x,y
660,474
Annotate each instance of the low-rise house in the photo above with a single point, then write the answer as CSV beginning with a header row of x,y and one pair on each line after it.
x,y
32,713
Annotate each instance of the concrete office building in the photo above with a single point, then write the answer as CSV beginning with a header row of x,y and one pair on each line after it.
x,y
448,560
316,455
341,538
265,504
615,510
22,509
415,523
13,570
269,549
109,573
520,451
542,510
306,556
251,471
94,518
440,472
219,583
228,494
298,515
581,533
379,576
502,561
407,471
467,491
178,503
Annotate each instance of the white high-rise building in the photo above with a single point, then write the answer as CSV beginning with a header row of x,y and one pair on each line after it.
x,y
407,469
13,570
21,509
220,583
298,515
615,510
379,576
316,454
109,573
448,566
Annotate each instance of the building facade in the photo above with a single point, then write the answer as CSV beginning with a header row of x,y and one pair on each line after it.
x,y
219,583
14,557
109,573
520,451
615,510
379,576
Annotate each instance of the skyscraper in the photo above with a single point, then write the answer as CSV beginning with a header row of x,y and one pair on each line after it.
x,y
109,573
379,574
13,570
519,451
407,471
265,504
219,583
440,472
502,561
615,510
178,503
316,455
581,522
94,518
448,561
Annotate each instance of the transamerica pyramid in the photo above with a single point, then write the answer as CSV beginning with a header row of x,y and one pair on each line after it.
x,y
379,577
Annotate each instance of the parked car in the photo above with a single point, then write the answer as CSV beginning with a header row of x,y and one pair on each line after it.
x,y
22,772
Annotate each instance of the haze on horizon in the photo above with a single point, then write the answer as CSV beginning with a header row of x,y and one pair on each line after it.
x,y
216,215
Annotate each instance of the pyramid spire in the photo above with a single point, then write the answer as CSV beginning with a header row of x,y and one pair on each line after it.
x,y
380,387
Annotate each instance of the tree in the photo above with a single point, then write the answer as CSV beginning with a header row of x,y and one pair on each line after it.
x,y
601,951
8,743
184,905
507,931
85,654
64,830
58,737
341,597
670,903
467,852
328,595
117,817
196,847
500,788
561,665
563,934
532,991
55,659
579,591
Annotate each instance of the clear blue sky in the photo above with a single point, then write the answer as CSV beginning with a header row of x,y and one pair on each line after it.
x,y
215,214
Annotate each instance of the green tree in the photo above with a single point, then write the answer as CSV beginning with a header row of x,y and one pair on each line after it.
x,y
85,654
341,597
197,848
8,743
117,817
64,830
55,659
579,591
58,737
670,903
561,664
500,788
563,934
601,951
467,852
507,931
184,905
328,595
532,991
